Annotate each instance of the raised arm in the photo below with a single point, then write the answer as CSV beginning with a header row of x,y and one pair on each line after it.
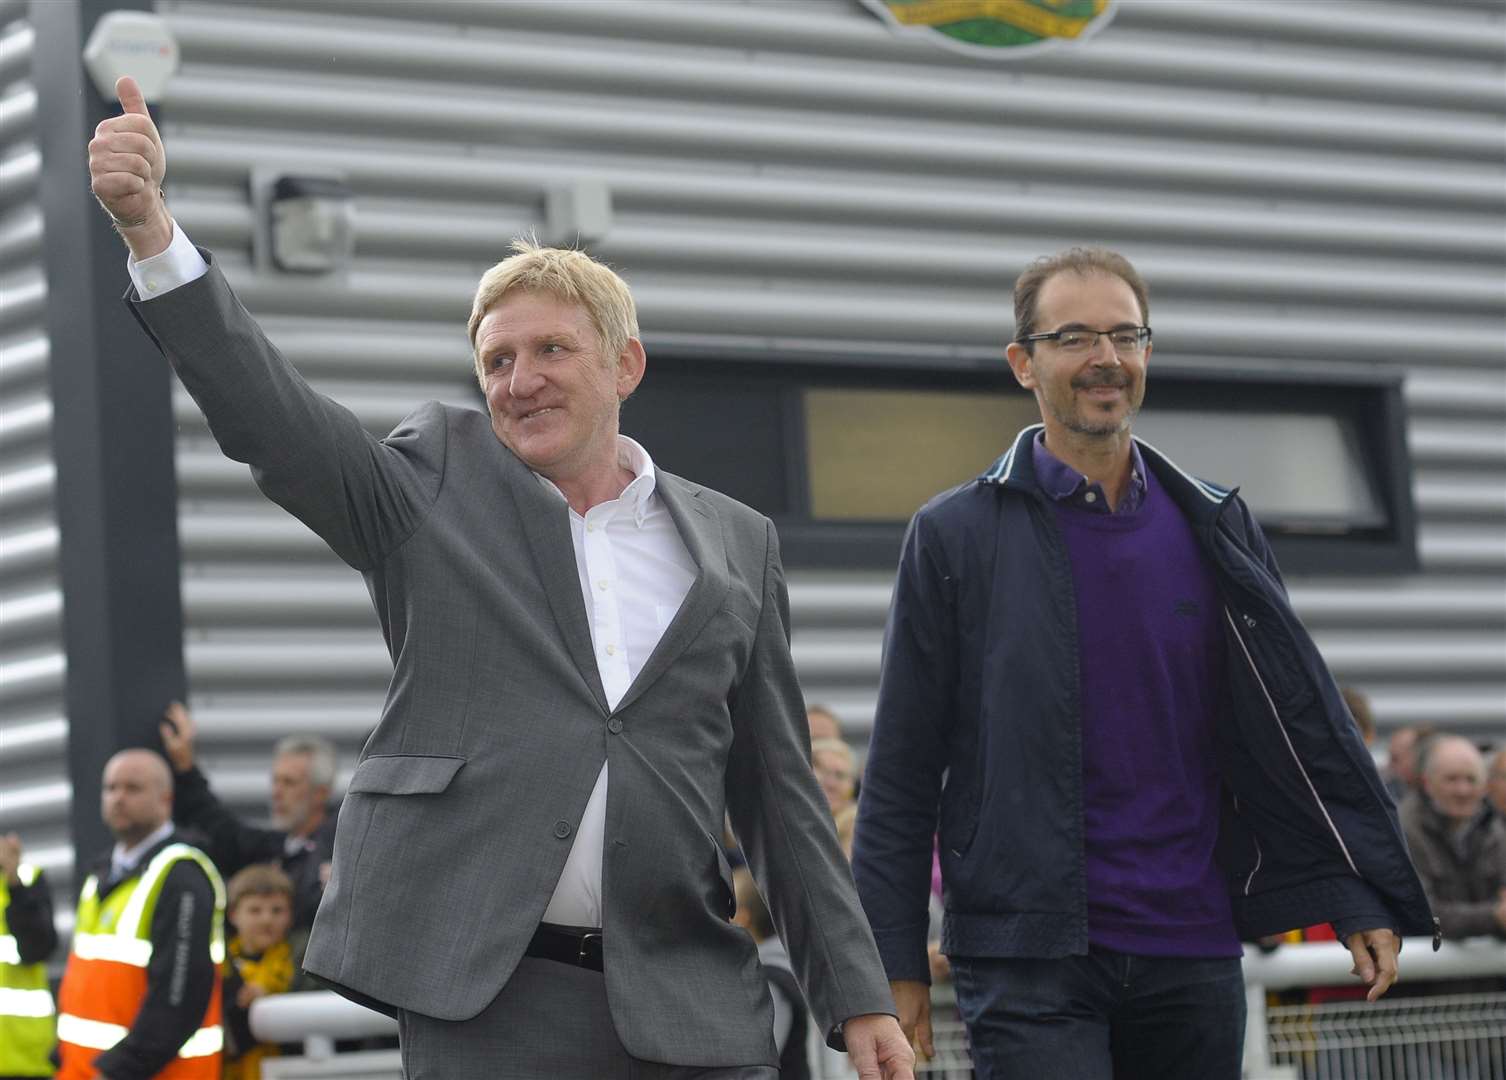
x,y
309,454
127,164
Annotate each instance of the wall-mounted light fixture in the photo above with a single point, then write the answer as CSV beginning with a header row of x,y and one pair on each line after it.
x,y
577,214
303,221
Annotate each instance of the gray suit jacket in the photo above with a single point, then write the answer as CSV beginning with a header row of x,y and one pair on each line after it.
x,y
457,822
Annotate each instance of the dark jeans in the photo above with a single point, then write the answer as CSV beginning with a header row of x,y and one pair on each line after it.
x,y
1104,1016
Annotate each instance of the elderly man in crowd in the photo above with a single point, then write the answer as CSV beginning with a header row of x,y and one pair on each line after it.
x,y
302,837
1458,846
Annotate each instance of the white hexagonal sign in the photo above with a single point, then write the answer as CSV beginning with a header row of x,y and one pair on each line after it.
x,y
134,43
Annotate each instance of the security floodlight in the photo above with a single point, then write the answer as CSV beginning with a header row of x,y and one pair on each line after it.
x,y
578,213
304,221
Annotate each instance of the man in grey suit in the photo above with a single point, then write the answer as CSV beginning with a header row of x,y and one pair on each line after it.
x,y
592,666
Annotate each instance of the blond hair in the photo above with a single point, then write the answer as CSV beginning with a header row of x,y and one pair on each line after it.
x,y
568,275
834,746
258,879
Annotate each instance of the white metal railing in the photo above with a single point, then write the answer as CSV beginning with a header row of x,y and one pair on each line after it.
x,y
1410,1037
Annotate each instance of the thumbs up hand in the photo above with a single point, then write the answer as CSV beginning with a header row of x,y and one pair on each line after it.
x,y
126,166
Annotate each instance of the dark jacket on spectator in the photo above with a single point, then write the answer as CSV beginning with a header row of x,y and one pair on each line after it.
x,y
232,844
978,721
1463,874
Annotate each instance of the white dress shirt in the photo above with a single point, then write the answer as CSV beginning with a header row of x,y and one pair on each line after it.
x,y
177,265
634,573
124,859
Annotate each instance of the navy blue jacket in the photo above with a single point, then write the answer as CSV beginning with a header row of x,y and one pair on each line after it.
x,y
979,724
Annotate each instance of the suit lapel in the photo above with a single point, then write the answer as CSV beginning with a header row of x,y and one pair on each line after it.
x,y
546,527
700,527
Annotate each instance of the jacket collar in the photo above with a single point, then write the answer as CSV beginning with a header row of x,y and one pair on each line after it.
x,y
1200,500
546,525
102,868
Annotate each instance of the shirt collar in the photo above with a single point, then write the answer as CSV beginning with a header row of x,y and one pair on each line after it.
x,y
1063,483
632,457
124,859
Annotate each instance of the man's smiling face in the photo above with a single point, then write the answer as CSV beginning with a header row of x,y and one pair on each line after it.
x,y
1098,393
553,396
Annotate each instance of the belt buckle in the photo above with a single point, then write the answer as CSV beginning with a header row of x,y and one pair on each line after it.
x,y
585,941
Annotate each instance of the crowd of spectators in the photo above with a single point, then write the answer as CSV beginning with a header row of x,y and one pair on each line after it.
x,y
1451,797
1451,800
161,810
1458,845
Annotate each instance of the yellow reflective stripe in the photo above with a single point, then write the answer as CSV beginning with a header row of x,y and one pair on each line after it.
x,y
99,1036
10,953
27,873
123,950
162,862
35,1004
217,950
89,1033
90,889
202,1043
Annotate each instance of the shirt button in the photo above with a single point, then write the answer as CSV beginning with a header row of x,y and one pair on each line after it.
x,y
562,829
590,527
151,286
1091,496
614,725
611,650
604,584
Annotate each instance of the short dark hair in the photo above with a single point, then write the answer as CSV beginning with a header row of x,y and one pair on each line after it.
x,y
1083,261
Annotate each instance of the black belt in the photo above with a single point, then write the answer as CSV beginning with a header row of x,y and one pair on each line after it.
x,y
578,945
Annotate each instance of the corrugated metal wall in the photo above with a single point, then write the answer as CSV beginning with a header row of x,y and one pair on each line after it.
x,y
34,787
1299,183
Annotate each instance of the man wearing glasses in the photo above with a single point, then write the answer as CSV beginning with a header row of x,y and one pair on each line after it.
x,y
1094,686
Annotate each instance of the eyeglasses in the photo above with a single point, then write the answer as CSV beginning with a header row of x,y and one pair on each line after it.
x,y
1126,340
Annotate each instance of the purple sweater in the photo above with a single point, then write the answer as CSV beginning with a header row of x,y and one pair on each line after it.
x,y
1151,657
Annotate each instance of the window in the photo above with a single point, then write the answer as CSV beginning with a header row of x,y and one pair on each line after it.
x,y
841,456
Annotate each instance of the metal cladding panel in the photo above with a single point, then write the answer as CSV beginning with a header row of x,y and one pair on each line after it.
x,y
35,792
1298,183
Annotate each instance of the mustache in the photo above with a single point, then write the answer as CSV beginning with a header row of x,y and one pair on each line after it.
x,y
1101,377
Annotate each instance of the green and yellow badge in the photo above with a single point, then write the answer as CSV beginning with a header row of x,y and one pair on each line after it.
x,y
997,28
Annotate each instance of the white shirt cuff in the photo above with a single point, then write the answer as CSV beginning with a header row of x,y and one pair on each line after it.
x,y
178,265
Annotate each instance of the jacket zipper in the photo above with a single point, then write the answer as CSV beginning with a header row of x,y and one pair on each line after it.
x,y
1259,855
1276,716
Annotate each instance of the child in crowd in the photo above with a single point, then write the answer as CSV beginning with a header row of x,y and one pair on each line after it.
x,y
259,961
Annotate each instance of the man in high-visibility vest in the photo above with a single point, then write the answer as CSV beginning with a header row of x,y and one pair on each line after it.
x,y
27,939
141,995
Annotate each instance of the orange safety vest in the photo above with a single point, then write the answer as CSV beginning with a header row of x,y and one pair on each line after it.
x,y
105,982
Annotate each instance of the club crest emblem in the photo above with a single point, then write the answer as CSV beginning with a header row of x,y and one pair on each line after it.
x,y
996,28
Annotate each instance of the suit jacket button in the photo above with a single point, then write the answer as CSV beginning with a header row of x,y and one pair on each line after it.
x,y
562,829
614,725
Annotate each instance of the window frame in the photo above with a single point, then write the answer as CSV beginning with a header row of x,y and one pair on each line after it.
x,y
1370,400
